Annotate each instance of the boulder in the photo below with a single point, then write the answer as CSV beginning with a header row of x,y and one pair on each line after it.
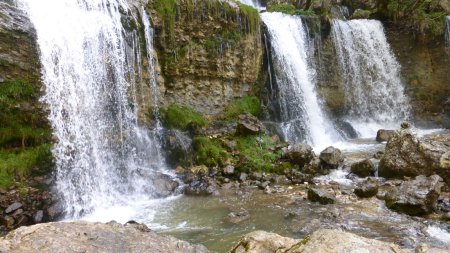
x,y
13,207
384,135
415,197
364,168
81,236
202,186
366,190
337,241
300,154
248,125
322,240
237,216
321,195
331,158
263,242
406,155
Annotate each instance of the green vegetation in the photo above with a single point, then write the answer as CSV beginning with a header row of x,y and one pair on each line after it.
x,y
167,10
252,153
289,9
19,164
210,152
181,117
424,16
258,153
247,104
251,16
24,133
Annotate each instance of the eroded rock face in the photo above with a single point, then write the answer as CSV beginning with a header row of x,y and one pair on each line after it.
x,y
406,155
416,197
92,237
208,55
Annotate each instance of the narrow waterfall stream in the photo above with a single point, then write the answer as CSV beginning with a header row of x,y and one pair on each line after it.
x,y
103,157
374,91
447,30
302,117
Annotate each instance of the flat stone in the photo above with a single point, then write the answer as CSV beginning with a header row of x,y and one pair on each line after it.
x,y
13,207
321,195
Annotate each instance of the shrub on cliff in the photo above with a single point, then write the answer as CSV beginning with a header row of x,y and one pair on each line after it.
x,y
180,117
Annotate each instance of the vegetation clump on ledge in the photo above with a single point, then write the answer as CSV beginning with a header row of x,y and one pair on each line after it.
x,y
181,117
289,9
246,104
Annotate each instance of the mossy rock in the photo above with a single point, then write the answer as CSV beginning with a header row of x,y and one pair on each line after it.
x,y
181,117
247,104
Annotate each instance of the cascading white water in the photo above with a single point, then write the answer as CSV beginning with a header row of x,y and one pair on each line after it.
x,y
253,3
447,30
301,114
374,92
90,62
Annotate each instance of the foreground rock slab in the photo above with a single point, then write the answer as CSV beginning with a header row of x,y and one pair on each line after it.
x,y
82,236
323,241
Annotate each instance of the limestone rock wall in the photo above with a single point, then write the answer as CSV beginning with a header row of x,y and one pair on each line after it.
x,y
210,52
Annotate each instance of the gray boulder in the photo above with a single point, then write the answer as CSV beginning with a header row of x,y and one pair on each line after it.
x,y
416,197
321,195
300,154
248,125
384,135
322,240
364,168
80,236
406,155
331,158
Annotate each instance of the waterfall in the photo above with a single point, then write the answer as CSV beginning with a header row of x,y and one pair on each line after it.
x,y
447,30
253,3
300,110
373,88
90,62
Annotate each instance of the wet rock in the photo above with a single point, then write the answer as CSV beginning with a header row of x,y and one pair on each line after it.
x,y
346,129
91,237
55,211
8,222
384,135
248,125
406,155
263,185
366,190
243,176
178,147
416,197
261,241
237,216
364,168
300,154
300,178
331,158
228,170
38,216
13,207
321,195
161,184
405,125
203,186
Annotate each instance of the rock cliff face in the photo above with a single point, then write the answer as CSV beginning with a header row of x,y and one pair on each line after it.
x,y
210,52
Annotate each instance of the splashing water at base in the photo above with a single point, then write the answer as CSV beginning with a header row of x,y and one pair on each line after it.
x,y
439,234
301,114
447,30
90,62
373,88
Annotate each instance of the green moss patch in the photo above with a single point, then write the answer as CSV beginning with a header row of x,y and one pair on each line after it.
x,y
181,116
20,163
289,9
257,153
247,104
210,152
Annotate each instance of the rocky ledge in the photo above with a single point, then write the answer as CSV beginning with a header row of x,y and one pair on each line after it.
x,y
82,236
